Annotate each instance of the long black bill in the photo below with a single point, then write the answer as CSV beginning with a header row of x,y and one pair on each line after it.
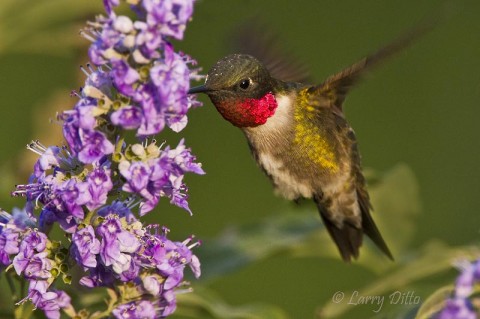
x,y
198,89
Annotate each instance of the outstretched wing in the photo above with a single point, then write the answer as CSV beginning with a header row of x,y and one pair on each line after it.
x,y
336,87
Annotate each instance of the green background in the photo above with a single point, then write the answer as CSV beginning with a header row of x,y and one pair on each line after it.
x,y
421,108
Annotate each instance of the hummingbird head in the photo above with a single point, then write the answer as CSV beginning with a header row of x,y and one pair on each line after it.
x,y
241,89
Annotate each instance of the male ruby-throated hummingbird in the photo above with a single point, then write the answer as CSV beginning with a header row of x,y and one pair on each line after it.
x,y
299,136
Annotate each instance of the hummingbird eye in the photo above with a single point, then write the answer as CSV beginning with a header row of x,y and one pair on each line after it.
x,y
244,84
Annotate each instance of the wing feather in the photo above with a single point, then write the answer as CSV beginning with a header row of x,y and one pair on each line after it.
x,y
336,87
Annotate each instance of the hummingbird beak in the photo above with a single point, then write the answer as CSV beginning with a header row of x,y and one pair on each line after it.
x,y
198,89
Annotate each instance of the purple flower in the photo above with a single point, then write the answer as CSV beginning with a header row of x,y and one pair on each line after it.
x,y
99,276
39,189
118,208
36,267
130,274
116,245
173,267
143,309
143,86
94,146
153,120
465,281
137,175
177,122
168,303
23,218
113,39
49,301
33,242
48,158
152,284
170,15
51,159
176,193
12,227
51,215
128,117
62,201
183,158
99,184
95,53
71,131
476,270
160,176
9,238
85,247
74,194
124,77
457,308
148,40
109,4
86,117
109,231
8,245
170,259
98,80
79,131
52,302
171,78
127,242
177,162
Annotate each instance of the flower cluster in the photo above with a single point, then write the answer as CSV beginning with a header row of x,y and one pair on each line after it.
x,y
34,257
459,305
97,186
152,79
116,252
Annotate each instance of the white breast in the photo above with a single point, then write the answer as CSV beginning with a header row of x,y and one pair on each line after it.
x,y
268,139
286,185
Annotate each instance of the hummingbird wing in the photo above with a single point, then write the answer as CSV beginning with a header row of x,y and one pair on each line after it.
x,y
336,87
255,39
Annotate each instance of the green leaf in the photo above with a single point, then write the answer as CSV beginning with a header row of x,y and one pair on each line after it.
x,y
239,246
203,304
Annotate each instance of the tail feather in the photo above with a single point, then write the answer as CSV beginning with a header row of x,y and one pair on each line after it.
x,y
349,238
371,230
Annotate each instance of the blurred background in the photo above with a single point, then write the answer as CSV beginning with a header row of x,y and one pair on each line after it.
x,y
416,119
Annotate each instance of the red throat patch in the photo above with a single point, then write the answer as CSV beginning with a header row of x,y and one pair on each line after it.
x,y
249,112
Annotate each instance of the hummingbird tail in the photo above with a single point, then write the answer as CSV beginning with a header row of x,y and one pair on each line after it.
x,y
349,238
371,230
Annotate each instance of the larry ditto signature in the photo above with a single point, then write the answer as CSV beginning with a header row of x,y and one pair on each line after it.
x,y
395,298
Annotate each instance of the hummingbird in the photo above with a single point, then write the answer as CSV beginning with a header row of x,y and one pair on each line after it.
x,y
300,138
